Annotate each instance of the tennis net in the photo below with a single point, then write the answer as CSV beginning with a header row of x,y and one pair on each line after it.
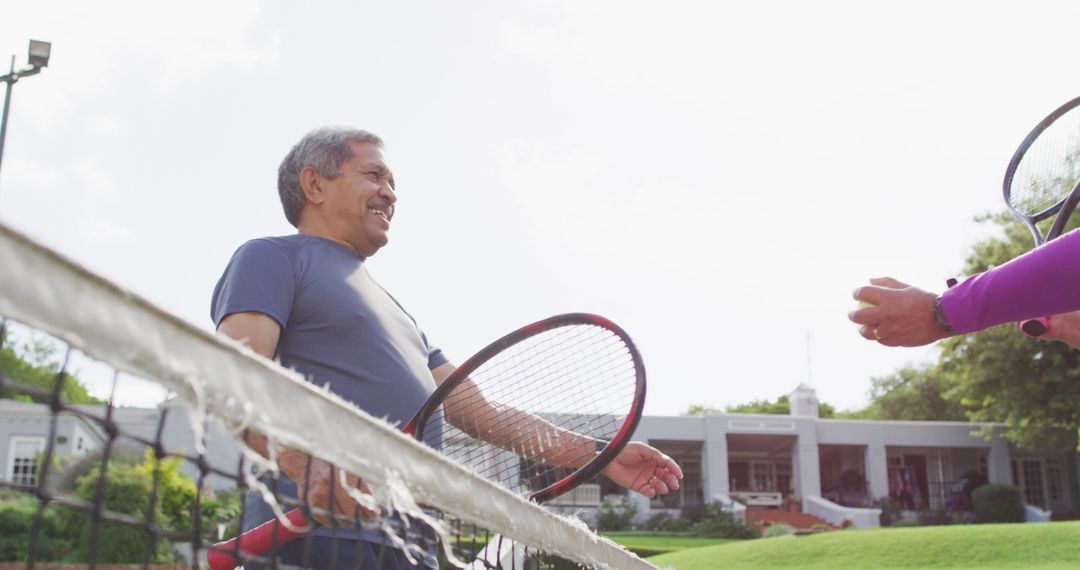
x,y
96,482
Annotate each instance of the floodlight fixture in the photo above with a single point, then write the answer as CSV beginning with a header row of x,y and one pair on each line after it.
x,y
39,53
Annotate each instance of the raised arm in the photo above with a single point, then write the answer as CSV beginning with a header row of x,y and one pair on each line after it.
x,y
1042,282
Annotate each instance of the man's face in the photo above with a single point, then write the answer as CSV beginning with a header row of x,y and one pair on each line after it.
x,y
360,202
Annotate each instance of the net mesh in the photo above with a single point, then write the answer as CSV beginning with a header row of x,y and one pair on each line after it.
x,y
579,378
94,481
1050,168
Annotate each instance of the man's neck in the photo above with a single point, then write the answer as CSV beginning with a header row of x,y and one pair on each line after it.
x,y
318,230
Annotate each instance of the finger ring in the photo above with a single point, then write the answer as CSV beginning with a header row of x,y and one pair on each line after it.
x,y
877,335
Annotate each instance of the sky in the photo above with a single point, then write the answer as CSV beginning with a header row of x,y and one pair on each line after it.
x,y
716,177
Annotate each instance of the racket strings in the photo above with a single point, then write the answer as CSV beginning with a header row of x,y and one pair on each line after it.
x,y
1049,169
527,391
513,386
579,381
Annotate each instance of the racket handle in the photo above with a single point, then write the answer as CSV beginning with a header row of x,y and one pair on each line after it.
x,y
1035,327
256,541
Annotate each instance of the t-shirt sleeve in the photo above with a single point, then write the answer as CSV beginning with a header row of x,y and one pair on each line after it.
x,y
259,279
435,358
1039,283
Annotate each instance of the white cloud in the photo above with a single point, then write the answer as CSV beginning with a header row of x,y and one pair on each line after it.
x,y
97,46
31,173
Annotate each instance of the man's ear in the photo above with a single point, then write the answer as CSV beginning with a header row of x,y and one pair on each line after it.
x,y
310,183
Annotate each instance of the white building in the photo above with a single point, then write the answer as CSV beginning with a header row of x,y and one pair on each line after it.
x,y
827,463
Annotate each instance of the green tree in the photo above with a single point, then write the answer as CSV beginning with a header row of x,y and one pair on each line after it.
x,y
914,393
34,363
780,407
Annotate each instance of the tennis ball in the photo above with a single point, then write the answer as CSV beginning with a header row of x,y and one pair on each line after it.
x,y
865,304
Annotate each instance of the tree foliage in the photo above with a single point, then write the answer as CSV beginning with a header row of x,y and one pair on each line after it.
x,y
35,363
779,407
918,393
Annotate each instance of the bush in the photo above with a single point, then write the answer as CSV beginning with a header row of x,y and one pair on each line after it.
x,y
715,522
891,511
778,529
663,522
127,491
997,503
615,516
16,518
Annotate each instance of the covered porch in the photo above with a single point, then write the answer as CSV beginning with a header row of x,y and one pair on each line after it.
x,y
761,468
934,479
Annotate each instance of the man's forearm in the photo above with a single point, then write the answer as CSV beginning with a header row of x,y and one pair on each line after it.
x,y
520,432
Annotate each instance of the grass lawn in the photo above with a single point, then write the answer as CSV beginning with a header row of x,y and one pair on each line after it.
x,y
651,543
1042,546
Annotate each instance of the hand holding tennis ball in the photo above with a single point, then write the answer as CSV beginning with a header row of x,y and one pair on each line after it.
x,y
903,315
879,282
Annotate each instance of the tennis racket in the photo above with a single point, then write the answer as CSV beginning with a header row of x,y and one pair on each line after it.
x,y
1043,180
540,411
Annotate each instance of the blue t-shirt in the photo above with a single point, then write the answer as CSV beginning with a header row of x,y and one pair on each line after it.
x,y
339,328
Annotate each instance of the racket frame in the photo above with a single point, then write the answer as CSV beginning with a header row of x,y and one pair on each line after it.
x,y
610,449
1064,207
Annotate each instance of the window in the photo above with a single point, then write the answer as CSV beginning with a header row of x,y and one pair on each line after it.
x,y
1033,482
763,476
22,468
688,455
1053,479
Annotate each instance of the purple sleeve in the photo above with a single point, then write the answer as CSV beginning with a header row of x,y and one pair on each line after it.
x,y
1042,282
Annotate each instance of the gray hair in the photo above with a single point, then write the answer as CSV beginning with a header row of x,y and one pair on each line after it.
x,y
324,149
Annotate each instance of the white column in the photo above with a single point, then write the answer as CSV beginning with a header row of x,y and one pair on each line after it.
x,y
716,470
715,460
998,468
877,471
807,468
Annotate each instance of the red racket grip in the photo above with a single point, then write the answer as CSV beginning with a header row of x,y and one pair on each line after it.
x,y
256,541
1035,327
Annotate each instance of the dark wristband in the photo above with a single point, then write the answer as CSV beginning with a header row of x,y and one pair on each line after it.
x,y
940,319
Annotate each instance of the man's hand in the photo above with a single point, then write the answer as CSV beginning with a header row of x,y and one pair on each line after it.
x,y
1064,327
641,468
902,315
314,483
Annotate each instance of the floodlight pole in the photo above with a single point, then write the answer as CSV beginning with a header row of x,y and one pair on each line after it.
x,y
7,106
39,58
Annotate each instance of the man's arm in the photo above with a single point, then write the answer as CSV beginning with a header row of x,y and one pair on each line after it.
x,y
261,333
638,466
